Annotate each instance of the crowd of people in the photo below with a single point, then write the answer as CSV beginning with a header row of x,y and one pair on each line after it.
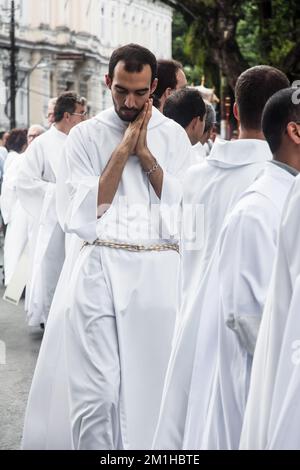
x,y
162,263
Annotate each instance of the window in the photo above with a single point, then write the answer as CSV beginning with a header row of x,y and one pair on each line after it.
x,y
69,86
102,22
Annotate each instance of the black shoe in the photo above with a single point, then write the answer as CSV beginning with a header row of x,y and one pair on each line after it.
x,y
42,325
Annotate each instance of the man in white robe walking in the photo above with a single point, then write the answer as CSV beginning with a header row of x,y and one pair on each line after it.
x,y
272,412
13,214
216,183
114,335
170,77
229,169
239,274
36,189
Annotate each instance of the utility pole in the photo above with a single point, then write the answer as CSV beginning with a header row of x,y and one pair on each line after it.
x,y
13,70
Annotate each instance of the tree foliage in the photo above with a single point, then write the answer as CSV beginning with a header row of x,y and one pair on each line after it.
x,y
231,35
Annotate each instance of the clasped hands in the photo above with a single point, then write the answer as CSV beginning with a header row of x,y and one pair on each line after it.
x,y
134,141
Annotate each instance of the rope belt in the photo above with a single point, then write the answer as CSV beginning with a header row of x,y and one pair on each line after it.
x,y
129,247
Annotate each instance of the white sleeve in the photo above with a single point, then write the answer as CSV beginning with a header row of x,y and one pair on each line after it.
x,y
8,193
77,189
180,158
31,188
246,258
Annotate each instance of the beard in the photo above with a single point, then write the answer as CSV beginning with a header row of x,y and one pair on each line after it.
x,y
127,114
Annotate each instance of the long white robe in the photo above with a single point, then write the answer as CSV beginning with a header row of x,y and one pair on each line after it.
x,y
112,338
36,189
272,412
14,216
209,371
216,184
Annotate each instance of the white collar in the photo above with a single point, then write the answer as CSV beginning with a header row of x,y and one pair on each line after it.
x,y
239,152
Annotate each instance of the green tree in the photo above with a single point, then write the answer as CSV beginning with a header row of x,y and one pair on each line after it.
x,y
231,35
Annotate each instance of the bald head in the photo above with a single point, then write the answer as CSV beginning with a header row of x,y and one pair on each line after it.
x,y
34,131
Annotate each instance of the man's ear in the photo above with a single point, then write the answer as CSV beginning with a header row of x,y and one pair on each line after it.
x,y
108,81
194,122
293,132
167,92
236,112
153,86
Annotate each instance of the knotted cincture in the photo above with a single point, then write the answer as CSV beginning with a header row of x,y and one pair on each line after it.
x,y
132,247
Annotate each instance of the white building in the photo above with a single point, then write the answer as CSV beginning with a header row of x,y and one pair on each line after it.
x,y
66,44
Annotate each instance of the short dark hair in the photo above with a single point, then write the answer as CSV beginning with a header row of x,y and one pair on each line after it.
x,y
66,103
280,109
253,89
134,57
184,105
166,74
16,140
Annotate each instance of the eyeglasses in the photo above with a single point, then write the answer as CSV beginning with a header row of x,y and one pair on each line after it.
x,y
83,114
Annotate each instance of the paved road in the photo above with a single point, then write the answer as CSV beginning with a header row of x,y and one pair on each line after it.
x,y
22,346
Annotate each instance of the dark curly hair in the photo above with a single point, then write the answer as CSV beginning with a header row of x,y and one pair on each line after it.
x,y
17,140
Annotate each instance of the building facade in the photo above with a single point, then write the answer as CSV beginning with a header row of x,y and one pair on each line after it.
x,y
66,45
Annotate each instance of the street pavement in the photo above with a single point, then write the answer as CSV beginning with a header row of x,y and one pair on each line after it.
x,y
22,345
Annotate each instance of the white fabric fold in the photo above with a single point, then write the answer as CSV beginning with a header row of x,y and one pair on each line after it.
x,y
36,190
246,328
208,375
271,418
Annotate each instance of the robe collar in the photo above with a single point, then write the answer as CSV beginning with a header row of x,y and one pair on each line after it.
x,y
272,182
227,154
53,129
286,167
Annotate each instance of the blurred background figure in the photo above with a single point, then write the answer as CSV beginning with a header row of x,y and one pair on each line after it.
x,y
3,152
207,138
50,111
3,155
13,215
37,193
34,131
187,108
16,144
171,77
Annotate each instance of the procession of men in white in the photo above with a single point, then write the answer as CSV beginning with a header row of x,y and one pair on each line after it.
x,y
156,339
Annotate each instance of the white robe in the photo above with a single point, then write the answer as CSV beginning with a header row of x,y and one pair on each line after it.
x,y
199,151
37,193
209,371
14,216
215,185
111,340
10,157
3,155
272,413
